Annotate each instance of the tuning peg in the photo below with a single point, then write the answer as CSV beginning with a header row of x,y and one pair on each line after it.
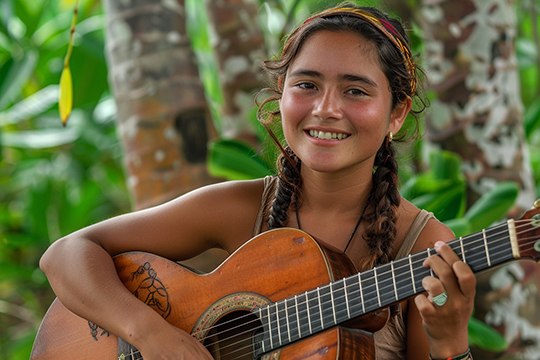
x,y
537,204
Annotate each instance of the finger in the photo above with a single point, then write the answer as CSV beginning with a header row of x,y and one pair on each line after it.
x,y
446,252
444,272
466,279
432,286
424,306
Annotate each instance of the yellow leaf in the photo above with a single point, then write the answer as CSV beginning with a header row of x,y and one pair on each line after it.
x,y
65,101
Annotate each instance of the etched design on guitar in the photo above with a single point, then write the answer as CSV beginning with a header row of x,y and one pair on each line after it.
x,y
151,290
228,327
94,329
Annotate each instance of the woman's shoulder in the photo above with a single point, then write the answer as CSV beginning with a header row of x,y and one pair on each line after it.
x,y
433,230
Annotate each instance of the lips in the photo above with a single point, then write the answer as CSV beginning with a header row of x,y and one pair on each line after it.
x,y
327,135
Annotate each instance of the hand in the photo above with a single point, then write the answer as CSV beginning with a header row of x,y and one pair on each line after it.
x,y
446,325
174,345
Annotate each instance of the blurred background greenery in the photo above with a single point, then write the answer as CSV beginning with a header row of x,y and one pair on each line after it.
x,y
55,180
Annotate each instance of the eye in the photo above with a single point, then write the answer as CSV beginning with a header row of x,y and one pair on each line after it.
x,y
355,92
306,86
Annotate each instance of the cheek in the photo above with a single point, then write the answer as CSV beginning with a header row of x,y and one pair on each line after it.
x,y
293,110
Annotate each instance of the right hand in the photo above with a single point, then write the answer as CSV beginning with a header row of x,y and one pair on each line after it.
x,y
174,345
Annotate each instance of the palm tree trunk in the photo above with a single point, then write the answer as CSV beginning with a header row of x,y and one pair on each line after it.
x,y
163,118
239,47
472,68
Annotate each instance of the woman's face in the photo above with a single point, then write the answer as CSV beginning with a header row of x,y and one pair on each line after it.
x,y
336,106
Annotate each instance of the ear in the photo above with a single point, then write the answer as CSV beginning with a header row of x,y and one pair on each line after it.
x,y
398,115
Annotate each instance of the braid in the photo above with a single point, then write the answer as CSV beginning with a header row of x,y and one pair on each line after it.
x,y
381,211
288,183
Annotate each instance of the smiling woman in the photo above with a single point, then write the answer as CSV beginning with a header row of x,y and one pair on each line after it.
x,y
345,83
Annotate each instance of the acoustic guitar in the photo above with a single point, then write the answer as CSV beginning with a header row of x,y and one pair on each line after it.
x,y
282,295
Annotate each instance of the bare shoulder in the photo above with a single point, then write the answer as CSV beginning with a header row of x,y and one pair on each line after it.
x,y
433,231
219,215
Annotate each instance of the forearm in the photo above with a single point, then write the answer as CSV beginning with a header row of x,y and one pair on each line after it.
x,y
84,278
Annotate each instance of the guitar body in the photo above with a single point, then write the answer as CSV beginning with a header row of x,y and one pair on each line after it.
x,y
213,307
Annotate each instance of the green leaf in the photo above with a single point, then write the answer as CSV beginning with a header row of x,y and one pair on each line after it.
x,y
485,337
16,77
492,206
235,160
460,226
445,165
39,139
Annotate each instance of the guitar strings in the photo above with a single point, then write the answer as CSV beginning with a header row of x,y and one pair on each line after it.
x,y
384,273
368,291
474,260
471,260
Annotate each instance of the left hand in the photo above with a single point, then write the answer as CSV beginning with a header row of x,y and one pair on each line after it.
x,y
446,325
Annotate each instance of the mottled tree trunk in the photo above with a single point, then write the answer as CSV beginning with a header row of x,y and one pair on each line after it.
x,y
239,47
163,117
477,112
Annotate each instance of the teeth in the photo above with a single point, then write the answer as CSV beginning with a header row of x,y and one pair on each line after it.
x,y
327,135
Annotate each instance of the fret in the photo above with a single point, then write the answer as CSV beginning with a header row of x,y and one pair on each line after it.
x,y
297,316
339,301
287,320
345,290
486,246
412,274
361,293
377,285
419,271
354,296
314,309
499,244
304,314
261,317
308,313
386,286
333,303
369,290
429,254
462,250
326,307
270,330
278,327
394,279
403,278
320,309
282,322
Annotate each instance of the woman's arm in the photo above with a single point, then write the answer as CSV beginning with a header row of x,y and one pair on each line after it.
x,y
440,330
81,272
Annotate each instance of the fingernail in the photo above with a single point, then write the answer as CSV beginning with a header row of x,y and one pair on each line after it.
x,y
438,245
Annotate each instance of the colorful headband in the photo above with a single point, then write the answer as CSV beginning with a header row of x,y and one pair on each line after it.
x,y
383,26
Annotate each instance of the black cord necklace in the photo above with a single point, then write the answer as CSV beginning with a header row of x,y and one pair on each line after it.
x,y
353,232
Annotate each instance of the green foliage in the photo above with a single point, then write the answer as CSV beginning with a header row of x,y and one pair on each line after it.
x,y
53,180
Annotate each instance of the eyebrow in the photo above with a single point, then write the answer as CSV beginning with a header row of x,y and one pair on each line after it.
x,y
348,77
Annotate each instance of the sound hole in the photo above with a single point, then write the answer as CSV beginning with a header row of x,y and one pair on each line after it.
x,y
231,338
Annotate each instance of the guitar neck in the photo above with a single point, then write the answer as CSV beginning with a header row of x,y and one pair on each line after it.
x,y
313,311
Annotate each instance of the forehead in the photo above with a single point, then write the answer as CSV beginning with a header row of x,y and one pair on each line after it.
x,y
341,51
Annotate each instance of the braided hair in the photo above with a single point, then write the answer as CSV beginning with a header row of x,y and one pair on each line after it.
x,y
383,201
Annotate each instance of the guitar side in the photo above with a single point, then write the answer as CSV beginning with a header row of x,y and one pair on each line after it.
x,y
270,267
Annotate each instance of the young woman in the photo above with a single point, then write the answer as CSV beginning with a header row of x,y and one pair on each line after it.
x,y
346,81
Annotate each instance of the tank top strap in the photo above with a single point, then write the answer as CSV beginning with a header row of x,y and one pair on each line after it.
x,y
268,194
416,228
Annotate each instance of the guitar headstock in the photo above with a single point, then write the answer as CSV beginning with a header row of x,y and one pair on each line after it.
x,y
528,232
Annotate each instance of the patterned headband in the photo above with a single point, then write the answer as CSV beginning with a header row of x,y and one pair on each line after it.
x,y
383,26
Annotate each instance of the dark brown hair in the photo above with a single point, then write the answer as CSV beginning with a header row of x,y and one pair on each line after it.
x,y
381,208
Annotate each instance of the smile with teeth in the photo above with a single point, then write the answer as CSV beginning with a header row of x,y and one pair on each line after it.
x,y
327,135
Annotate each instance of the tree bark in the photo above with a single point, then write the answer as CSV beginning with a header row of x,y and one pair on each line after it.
x,y
163,118
239,47
477,112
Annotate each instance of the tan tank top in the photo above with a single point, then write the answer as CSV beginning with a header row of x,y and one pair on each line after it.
x,y
390,341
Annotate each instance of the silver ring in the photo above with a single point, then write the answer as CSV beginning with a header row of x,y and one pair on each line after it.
x,y
440,299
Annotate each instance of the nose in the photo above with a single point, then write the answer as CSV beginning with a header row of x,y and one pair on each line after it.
x,y
327,105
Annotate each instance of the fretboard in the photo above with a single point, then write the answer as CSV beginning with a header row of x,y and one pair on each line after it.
x,y
310,312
